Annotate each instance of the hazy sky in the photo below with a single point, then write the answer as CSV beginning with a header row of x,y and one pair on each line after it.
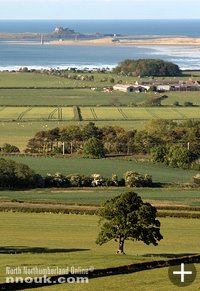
x,y
98,9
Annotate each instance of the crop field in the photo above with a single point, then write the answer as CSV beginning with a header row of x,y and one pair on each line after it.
x,y
69,240
91,196
138,113
97,113
105,167
36,113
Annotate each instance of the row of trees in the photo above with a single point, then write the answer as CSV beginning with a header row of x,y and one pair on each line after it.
x,y
175,144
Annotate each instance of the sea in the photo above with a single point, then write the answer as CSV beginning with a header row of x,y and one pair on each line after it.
x,y
15,56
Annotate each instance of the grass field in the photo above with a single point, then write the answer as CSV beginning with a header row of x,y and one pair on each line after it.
x,y
105,167
69,240
151,280
85,97
182,97
166,196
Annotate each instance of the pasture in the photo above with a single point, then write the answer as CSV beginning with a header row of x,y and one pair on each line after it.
x,y
96,196
105,167
69,240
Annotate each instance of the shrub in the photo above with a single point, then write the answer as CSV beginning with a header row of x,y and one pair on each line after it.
x,y
134,179
56,180
8,148
97,180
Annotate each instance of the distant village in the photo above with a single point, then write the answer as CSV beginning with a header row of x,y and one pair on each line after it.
x,y
159,86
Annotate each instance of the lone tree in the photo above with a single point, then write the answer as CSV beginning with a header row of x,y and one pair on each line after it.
x,y
127,217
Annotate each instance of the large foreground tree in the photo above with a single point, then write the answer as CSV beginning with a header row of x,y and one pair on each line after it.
x,y
127,217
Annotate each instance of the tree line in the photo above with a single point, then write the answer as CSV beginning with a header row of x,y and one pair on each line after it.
x,y
14,175
173,143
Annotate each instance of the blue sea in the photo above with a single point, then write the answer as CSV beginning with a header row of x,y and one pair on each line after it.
x,y
14,56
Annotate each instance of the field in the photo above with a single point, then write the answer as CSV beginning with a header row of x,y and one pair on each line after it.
x,y
105,167
69,240
32,102
88,196
11,113
152,280
21,92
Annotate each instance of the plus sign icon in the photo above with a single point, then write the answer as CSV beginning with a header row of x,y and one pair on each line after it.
x,y
182,275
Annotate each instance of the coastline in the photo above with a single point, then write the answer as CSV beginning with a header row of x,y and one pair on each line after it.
x,y
108,41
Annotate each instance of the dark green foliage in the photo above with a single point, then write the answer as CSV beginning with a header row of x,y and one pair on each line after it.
x,y
148,67
127,217
93,148
17,175
174,155
8,148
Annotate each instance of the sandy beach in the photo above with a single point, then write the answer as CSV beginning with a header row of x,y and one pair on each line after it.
x,y
149,41
108,41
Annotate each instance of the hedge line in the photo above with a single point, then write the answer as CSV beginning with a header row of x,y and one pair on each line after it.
x,y
85,211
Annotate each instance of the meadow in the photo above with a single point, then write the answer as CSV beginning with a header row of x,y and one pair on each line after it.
x,y
88,196
69,240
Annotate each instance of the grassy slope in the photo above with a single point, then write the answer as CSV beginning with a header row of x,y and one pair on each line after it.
x,y
106,167
74,238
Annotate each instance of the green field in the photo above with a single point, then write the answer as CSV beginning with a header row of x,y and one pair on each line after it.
x,y
69,240
105,167
166,196
182,97
98,113
151,280
69,97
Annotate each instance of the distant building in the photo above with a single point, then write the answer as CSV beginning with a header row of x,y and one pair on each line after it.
x,y
130,88
163,88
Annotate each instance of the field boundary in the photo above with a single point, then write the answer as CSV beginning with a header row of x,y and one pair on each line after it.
x,y
27,207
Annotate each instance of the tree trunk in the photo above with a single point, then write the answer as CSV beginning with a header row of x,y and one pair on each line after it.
x,y
121,246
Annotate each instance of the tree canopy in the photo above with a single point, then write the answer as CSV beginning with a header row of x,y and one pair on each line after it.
x,y
127,217
16,175
148,67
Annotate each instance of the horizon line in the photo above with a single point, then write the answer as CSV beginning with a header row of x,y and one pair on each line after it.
x,y
103,19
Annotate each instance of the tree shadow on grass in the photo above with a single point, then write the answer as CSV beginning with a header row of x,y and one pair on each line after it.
x,y
164,255
35,250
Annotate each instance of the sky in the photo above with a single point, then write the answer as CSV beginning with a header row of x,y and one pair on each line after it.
x,y
99,9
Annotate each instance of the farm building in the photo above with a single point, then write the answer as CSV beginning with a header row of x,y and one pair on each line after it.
x,y
130,88
163,88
